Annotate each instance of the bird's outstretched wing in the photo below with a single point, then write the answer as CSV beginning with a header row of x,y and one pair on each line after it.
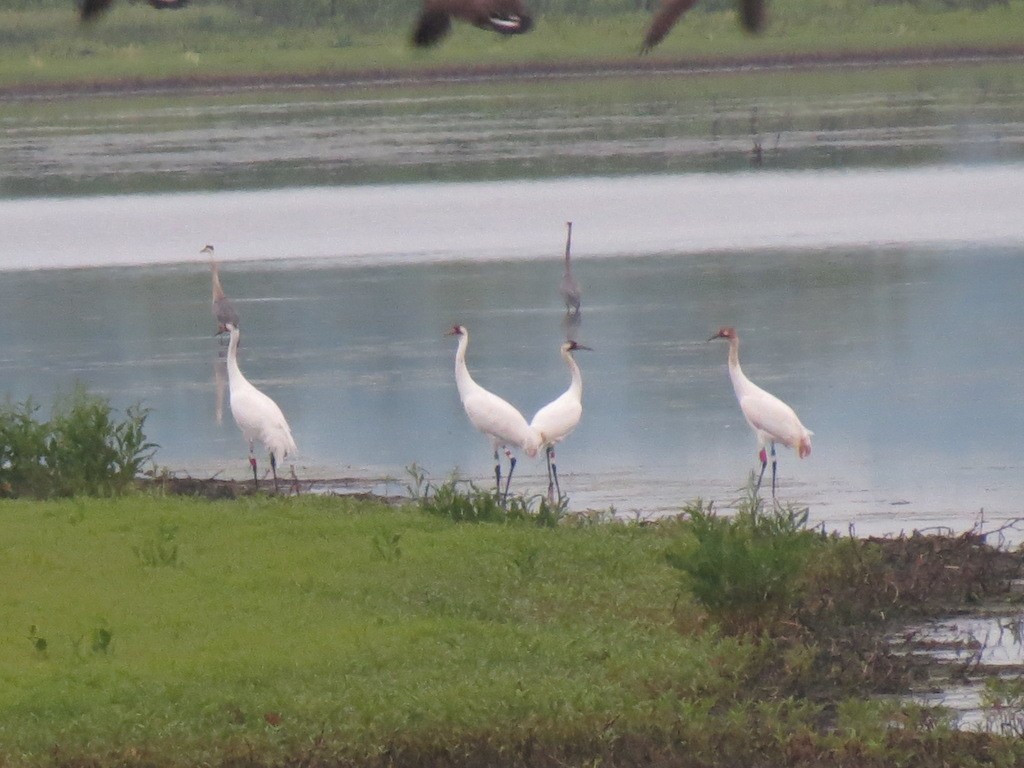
x,y
752,14
90,9
665,19
431,27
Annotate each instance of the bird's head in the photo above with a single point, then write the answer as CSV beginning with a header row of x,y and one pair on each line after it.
x,y
726,332
572,346
207,249
456,330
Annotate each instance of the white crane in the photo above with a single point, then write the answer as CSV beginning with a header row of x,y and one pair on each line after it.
x,y
556,420
771,419
223,311
496,418
256,414
568,287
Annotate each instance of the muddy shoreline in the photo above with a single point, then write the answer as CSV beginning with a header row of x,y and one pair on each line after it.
x,y
636,66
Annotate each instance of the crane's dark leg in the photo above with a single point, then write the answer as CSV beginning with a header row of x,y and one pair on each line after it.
x,y
548,453
273,469
511,469
764,463
252,463
773,470
497,472
554,474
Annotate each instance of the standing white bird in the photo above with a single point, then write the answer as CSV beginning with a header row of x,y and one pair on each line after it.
x,y
568,287
223,311
771,419
256,414
496,418
556,420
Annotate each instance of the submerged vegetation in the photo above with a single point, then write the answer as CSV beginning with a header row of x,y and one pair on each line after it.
x,y
449,630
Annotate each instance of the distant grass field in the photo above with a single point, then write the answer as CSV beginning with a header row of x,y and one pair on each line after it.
x,y
135,43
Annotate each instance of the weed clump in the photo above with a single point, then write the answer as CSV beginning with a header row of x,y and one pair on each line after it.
x,y
464,502
744,569
83,449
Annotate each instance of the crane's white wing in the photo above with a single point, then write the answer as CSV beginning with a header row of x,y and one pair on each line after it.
x,y
498,419
261,419
767,414
556,420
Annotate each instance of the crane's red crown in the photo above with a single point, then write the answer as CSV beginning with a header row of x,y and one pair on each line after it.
x,y
725,332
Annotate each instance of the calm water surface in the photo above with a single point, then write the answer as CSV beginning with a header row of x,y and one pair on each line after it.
x,y
901,356
881,299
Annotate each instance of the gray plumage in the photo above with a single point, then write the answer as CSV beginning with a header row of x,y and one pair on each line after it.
x,y
223,311
568,287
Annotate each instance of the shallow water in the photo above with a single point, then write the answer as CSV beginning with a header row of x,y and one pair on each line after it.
x,y
895,352
875,284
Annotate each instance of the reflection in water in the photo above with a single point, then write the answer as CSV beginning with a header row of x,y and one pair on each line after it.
x,y
569,287
571,323
220,388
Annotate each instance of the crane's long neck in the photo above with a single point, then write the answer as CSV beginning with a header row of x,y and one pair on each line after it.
x,y
568,247
463,380
740,383
576,383
218,292
235,376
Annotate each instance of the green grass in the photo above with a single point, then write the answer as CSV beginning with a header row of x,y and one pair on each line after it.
x,y
294,609
136,43
319,631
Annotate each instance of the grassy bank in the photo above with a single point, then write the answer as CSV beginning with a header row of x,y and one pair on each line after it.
x,y
46,46
317,631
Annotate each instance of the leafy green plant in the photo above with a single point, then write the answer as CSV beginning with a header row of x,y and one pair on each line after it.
x,y
90,451
463,501
1003,702
388,546
744,569
161,550
100,642
38,641
23,470
83,449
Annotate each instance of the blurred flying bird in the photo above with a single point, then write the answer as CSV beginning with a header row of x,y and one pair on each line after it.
x,y
256,414
556,420
223,311
91,9
498,419
752,15
506,17
771,419
568,287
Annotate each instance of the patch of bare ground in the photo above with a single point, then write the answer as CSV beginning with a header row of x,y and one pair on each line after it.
x,y
215,488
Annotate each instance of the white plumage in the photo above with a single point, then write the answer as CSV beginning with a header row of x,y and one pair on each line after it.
x,y
256,414
496,418
556,420
771,419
